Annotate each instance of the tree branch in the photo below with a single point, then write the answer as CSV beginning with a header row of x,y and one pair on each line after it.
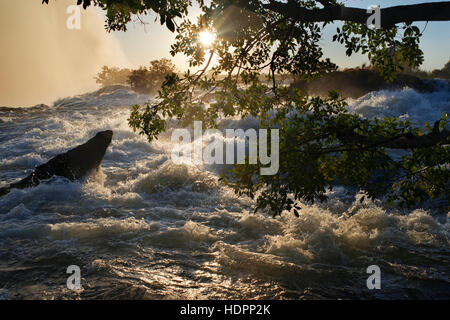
x,y
403,141
409,141
433,11
325,3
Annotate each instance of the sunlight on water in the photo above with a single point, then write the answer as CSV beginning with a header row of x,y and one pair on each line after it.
x,y
144,227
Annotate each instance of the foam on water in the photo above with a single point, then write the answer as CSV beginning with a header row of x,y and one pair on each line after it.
x,y
145,227
407,104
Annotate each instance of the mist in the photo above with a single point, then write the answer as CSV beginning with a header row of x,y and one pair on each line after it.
x,y
41,59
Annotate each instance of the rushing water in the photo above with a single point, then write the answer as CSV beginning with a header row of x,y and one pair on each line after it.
x,y
147,228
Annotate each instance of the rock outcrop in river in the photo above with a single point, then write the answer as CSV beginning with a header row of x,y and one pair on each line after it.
x,y
74,164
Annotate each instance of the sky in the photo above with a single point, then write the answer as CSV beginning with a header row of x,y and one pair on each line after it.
x,y
142,44
41,60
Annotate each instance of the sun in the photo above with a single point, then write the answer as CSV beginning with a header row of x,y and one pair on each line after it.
x,y
206,38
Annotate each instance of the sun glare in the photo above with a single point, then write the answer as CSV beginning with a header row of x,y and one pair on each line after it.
x,y
206,38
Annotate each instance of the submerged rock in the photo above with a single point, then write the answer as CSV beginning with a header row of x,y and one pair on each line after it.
x,y
74,164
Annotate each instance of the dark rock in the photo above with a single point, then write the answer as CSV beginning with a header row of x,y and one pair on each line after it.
x,y
74,164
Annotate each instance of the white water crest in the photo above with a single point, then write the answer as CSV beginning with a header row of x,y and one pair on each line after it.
x,y
144,227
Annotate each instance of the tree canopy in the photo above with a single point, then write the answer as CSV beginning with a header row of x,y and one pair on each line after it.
x,y
111,76
321,143
149,80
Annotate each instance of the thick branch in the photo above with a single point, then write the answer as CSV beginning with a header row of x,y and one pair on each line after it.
x,y
433,11
403,141
325,3
410,141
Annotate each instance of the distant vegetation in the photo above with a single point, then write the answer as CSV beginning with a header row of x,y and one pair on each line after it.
x,y
143,80
150,79
111,76
443,73
356,82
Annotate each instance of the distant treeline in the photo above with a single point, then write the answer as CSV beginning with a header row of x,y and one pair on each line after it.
x,y
149,79
443,73
143,80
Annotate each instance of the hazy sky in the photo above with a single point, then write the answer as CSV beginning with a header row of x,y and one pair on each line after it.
x,y
42,60
153,42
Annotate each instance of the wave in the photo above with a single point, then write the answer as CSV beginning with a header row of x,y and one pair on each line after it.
x,y
156,229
